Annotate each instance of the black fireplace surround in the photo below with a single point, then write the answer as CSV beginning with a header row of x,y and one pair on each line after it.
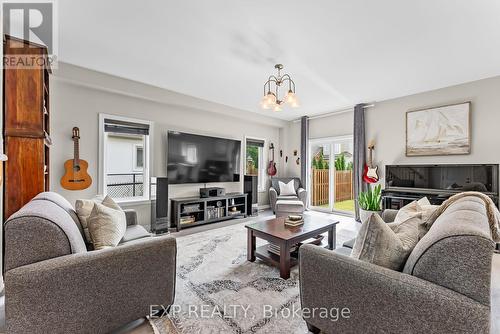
x,y
405,183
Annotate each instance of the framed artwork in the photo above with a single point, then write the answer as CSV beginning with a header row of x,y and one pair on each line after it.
x,y
441,130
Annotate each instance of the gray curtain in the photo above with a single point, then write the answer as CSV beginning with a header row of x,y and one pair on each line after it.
x,y
359,154
304,149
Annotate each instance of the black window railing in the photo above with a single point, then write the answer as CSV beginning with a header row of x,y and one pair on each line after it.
x,y
125,185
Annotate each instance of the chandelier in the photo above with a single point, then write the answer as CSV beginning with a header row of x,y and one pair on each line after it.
x,y
271,99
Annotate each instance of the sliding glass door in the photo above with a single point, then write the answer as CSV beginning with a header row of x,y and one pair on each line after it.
x,y
330,174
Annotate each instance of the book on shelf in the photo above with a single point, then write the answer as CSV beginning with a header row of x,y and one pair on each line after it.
x,y
215,212
187,220
275,249
313,241
188,208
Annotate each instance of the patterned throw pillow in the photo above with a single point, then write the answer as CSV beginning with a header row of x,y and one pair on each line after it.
x,y
83,208
106,224
387,245
422,208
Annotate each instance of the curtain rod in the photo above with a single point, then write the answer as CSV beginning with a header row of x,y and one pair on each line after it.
x,y
336,112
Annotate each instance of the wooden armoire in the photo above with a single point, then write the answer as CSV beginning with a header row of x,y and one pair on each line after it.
x,y
26,127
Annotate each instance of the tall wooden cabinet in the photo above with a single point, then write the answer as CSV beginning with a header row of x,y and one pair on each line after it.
x,y
26,127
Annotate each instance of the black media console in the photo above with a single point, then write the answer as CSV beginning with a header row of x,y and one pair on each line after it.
x,y
194,211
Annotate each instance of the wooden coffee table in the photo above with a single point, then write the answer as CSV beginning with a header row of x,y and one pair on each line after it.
x,y
275,231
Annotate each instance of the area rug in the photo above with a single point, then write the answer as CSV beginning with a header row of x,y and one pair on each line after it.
x,y
219,291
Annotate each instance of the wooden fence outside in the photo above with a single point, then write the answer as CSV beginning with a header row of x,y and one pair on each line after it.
x,y
343,185
320,186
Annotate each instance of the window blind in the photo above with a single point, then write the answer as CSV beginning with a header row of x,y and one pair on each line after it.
x,y
254,142
116,126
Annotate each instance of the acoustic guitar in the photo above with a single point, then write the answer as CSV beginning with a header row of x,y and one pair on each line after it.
x,y
76,176
370,174
271,168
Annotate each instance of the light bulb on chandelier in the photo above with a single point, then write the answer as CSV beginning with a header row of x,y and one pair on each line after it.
x,y
272,100
291,99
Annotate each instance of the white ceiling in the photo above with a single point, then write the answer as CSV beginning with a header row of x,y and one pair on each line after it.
x,y
338,52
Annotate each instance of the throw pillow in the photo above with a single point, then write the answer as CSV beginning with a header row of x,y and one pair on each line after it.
x,y
83,208
422,207
110,203
106,226
384,245
287,189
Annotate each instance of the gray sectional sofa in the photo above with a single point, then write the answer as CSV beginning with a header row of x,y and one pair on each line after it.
x,y
444,287
55,284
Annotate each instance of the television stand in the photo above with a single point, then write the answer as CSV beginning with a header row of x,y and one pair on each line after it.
x,y
194,211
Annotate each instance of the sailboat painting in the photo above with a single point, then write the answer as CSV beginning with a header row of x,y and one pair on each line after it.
x,y
438,131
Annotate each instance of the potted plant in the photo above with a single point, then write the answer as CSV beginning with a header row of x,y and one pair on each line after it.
x,y
369,202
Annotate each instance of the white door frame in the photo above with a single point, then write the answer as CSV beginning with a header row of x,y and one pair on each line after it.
x,y
331,174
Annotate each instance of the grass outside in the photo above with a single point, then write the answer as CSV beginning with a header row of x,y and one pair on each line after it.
x,y
342,206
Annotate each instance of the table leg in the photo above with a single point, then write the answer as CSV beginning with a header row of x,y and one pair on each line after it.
x,y
250,246
332,237
285,260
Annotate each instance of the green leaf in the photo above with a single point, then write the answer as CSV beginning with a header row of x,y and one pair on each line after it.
x,y
371,199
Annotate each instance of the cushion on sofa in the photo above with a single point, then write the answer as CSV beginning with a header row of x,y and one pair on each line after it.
x,y
289,197
275,182
384,245
422,206
287,189
107,224
134,232
349,243
83,209
290,206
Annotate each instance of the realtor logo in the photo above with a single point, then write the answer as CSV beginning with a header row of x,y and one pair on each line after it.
x,y
33,21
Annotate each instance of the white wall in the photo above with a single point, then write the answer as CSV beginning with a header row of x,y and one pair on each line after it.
x,y
291,142
79,95
385,123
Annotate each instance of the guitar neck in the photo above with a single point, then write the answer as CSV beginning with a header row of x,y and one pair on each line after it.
x,y
76,151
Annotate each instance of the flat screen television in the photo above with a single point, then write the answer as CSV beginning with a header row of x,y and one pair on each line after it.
x,y
202,159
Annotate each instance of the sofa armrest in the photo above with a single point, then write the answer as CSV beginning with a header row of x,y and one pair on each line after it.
x,y
273,195
131,217
389,215
381,300
302,194
92,292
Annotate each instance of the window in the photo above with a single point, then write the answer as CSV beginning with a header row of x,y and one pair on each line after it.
x,y
255,163
124,158
138,157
